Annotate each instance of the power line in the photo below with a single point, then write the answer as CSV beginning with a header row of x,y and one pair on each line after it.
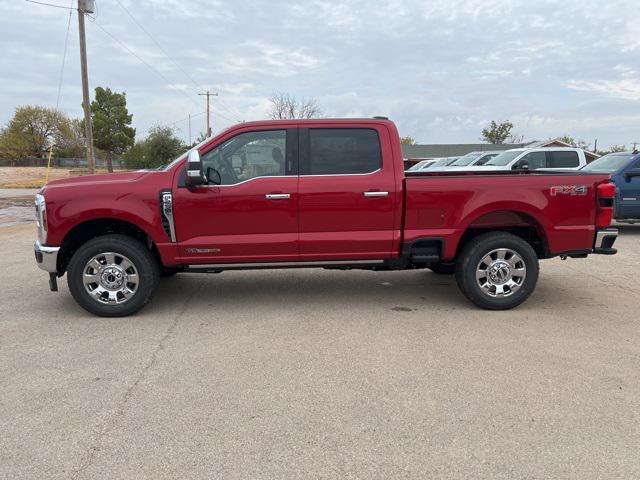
x,y
158,44
50,4
64,57
148,65
232,110
186,118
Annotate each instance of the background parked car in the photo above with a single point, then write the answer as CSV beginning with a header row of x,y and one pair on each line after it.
x,y
624,168
552,158
440,162
470,159
420,165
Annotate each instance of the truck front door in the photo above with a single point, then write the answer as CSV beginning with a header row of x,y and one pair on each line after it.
x,y
252,215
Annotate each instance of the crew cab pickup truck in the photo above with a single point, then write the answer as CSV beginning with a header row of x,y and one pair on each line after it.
x,y
548,158
314,193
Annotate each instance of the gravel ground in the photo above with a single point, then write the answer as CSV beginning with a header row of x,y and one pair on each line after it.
x,y
323,374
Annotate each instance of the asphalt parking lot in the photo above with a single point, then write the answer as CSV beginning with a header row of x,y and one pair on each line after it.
x,y
300,374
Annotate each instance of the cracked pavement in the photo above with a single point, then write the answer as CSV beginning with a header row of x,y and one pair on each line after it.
x,y
323,374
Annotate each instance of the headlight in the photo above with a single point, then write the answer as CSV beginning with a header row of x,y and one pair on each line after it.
x,y
41,218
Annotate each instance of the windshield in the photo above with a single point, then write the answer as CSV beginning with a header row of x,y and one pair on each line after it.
x,y
503,159
609,163
441,162
485,159
466,159
419,165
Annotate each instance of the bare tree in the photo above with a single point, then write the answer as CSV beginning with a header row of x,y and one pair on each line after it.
x,y
284,106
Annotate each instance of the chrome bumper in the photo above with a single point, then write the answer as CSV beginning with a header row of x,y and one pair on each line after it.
x,y
605,240
46,257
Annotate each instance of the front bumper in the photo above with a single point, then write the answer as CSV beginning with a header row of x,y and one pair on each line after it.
x,y
46,257
605,240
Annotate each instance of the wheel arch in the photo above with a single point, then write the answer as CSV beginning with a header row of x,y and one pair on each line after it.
x,y
97,227
523,223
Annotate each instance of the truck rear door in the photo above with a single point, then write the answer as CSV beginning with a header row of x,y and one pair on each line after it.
x,y
347,192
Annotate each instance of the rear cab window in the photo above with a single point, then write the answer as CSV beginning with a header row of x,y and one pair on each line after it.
x,y
563,159
341,151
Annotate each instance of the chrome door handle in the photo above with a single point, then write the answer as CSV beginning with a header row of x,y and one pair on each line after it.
x,y
375,194
277,196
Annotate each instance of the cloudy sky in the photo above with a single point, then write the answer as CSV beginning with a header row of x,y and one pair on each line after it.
x,y
441,69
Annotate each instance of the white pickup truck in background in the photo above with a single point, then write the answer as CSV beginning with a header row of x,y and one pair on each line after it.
x,y
548,158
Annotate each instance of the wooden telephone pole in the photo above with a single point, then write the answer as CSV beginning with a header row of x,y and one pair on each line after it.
x,y
208,94
88,127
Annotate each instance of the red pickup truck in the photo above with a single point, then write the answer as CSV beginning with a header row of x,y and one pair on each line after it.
x,y
314,193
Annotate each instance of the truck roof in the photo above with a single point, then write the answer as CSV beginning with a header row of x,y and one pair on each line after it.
x,y
316,121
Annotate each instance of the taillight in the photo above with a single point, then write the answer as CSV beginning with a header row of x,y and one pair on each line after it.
x,y
605,193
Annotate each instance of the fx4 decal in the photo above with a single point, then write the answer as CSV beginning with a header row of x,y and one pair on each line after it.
x,y
568,190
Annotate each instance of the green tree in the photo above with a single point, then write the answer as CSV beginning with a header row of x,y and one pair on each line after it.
x,y
111,124
497,133
31,131
408,141
159,147
69,140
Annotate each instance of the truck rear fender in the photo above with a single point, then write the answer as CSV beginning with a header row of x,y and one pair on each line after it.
x,y
520,223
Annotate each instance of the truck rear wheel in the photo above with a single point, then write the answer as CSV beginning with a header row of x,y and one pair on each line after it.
x,y
497,270
112,276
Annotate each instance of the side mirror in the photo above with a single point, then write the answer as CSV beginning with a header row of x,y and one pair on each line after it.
x,y
521,165
213,176
632,172
194,170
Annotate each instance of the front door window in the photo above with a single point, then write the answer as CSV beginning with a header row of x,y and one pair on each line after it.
x,y
248,155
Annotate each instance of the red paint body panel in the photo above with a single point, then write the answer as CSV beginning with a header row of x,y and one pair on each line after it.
x,y
445,206
338,222
327,217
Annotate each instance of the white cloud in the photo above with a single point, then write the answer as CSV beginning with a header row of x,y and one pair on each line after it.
x,y
440,68
626,88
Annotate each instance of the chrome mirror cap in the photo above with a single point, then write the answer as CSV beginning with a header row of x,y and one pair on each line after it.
x,y
194,169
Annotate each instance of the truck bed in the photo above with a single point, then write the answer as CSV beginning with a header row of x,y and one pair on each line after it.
x,y
561,206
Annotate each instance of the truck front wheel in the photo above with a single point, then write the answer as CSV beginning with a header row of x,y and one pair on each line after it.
x,y
112,275
497,270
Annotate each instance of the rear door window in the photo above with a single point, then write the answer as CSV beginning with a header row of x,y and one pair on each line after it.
x,y
564,160
342,151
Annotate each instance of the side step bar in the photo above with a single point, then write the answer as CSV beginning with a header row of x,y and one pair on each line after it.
x,y
252,266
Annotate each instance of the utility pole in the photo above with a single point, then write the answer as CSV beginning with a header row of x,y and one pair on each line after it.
x,y
208,94
88,127
189,129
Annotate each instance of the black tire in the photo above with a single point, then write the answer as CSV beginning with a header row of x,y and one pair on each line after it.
x,y
476,250
143,260
443,268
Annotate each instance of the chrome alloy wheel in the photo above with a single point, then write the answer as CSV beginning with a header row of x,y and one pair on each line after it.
x,y
110,278
501,273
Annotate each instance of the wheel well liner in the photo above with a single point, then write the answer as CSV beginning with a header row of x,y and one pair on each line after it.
x,y
518,223
85,231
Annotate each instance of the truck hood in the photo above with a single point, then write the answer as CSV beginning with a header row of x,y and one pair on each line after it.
x,y
101,179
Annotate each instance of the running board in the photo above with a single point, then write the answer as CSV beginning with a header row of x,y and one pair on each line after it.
x,y
247,266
